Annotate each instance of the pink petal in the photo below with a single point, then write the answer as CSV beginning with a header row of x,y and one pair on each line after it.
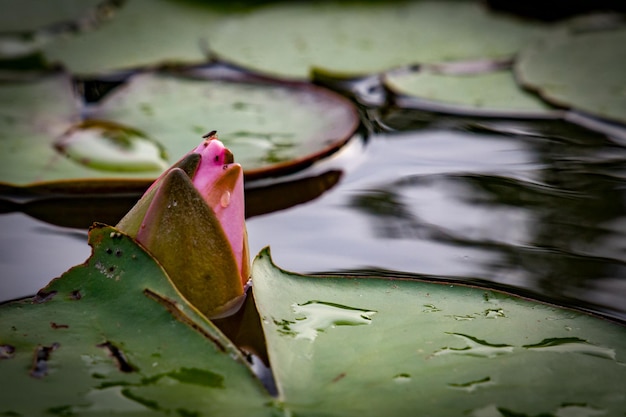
x,y
220,182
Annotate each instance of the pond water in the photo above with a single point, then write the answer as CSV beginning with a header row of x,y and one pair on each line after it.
x,y
541,214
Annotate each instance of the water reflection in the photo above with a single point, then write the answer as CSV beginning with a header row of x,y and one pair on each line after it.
x,y
390,217
541,214
274,197
33,252
82,211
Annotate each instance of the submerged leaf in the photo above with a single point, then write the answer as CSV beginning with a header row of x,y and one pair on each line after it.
x,y
346,346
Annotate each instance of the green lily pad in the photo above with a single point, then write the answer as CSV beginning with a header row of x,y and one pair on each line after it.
x,y
151,122
494,93
29,24
352,38
249,117
582,71
342,346
113,335
142,33
32,132
31,15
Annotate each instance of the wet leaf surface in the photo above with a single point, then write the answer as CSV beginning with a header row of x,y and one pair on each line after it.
x,y
376,346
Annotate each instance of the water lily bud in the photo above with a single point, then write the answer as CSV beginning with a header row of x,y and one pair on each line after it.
x,y
191,220
220,181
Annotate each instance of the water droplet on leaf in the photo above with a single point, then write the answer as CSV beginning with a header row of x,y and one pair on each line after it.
x,y
573,345
402,378
472,385
317,316
476,347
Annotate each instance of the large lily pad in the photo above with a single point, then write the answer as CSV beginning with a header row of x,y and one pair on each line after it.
x,y
352,38
29,24
154,120
142,33
367,346
249,117
583,71
490,93
113,335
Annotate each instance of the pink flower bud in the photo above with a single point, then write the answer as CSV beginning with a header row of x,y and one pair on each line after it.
x,y
220,181
192,220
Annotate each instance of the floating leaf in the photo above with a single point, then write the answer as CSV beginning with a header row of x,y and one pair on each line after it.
x,y
31,15
143,33
493,93
41,114
371,346
583,71
291,38
250,118
113,335
128,137
29,24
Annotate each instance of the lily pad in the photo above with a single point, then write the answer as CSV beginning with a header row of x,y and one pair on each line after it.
x,y
491,93
368,347
154,120
31,15
113,335
142,33
41,114
249,117
27,25
351,38
583,71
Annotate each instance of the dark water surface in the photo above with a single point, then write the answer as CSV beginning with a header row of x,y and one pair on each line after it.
x,y
541,213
